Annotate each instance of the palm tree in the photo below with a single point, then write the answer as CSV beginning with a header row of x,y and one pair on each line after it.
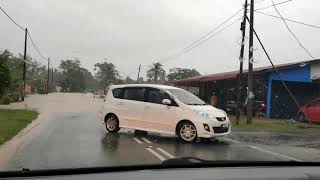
x,y
107,73
156,72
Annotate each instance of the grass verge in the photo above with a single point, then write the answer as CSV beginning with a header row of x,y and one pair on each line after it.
x,y
315,146
13,121
274,125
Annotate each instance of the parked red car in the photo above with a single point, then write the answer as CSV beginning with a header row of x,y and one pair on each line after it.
x,y
310,111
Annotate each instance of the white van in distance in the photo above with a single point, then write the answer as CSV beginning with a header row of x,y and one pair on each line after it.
x,y
163,109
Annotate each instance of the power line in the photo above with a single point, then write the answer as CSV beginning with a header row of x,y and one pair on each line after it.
x,y
23,29
263,8
275,69
291,30
203,37
11,19
201,42
36,48
298,22
191,46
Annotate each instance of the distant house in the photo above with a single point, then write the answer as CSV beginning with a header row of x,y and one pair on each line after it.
x,y
302,78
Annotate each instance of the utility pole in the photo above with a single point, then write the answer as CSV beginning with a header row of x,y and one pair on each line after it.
x,y
51,79
48,75
24,64
138,74
239,88
250,72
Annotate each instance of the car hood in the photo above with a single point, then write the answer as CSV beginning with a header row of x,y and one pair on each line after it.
x,y
209,110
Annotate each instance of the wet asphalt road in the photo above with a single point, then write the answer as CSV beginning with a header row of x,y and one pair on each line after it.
x,y
79,139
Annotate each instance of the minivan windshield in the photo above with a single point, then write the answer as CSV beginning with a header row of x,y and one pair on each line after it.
x,y
186,97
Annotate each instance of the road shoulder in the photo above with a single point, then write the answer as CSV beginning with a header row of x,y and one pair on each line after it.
x,y
10,147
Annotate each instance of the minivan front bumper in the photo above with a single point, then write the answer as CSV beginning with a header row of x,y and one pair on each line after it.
x,y
212,134
210,128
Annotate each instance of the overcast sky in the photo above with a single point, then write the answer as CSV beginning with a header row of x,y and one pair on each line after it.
x,y
133,32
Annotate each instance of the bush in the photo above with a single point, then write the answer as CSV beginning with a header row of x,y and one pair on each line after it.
x,y
5,100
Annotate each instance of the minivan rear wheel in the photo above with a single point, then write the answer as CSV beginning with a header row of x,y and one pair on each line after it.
x,y
112,123
187,132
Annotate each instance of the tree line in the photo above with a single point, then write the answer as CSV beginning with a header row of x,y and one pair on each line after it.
x,y
71,76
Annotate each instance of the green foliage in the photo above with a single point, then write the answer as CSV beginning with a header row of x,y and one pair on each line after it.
x,y
70,75
90,82
156,72
16,64
74,80
5,78
11,73
181,73
37,76
5,100
107,74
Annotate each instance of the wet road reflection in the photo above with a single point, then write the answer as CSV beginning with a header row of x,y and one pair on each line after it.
x,y
211,149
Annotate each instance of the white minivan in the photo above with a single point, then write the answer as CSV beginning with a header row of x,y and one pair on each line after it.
x,y
163,109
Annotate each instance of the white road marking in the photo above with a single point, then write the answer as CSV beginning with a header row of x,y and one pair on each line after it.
x,y
156,154
231,140
137,140
275,154
146,140
165,153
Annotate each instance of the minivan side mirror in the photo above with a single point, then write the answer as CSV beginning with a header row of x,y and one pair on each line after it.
x,y
166,102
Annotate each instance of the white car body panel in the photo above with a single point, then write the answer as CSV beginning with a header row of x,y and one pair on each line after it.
x,y
162,118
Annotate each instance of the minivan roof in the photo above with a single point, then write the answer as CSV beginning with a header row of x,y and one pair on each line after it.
x,y
144,85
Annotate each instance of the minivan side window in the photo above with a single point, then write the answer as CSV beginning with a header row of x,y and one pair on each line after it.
x,y
136,94
156,96
118,93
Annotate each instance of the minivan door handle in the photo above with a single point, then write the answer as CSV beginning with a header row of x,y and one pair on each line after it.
x,y
147,107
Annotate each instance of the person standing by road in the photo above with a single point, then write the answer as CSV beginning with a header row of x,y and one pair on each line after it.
x,y
213,99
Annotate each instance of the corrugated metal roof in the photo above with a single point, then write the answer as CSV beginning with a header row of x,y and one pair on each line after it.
x,y
233,74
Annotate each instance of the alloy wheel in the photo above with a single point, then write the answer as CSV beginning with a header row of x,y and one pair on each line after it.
x,y
111,123
188,132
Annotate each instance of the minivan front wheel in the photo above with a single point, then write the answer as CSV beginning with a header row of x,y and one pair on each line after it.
x,y
112,123
187,132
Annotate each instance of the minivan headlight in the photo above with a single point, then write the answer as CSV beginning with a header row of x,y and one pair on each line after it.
x,y
204,114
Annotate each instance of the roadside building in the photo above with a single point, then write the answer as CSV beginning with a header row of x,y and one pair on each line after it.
x,y
302,78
